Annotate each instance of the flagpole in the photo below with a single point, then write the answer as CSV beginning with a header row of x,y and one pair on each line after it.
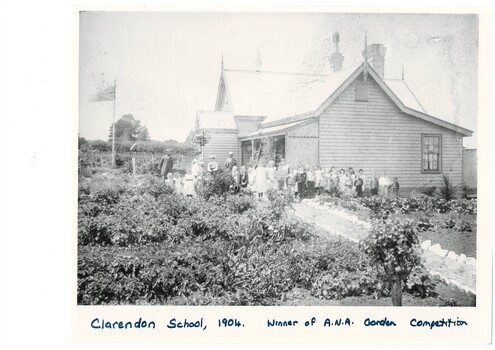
x,y
113,126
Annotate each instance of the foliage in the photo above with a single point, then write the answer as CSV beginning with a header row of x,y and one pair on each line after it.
x,y
141,244
335,191
240,203
422,203
425,224
420,283
218,184
342,270
82,143
446,190
148,147
278,203
269,149
127,128
393,247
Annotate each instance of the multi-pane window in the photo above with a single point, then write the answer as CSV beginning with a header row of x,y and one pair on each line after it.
x,y
431,153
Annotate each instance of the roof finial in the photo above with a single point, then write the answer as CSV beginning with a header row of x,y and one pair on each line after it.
x,y
336,40
365,53
222,60
402,70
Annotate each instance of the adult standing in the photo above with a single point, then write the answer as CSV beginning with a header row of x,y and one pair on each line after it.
x,y
230,162
166,164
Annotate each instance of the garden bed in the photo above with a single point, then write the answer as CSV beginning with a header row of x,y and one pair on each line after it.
x,y
447,295
453,229
139,243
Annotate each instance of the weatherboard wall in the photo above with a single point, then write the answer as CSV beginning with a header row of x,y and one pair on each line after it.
x,y
302,145
376,136
221,143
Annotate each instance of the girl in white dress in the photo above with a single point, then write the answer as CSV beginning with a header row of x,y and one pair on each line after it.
x,y
178,183
260,175
189,189
271,181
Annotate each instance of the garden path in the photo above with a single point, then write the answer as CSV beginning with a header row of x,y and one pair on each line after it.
x,y
350,227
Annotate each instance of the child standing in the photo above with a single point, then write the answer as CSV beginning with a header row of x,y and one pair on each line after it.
x,y
374,185
260,179
318,180
384,184
178,184
189,189
342,181
243,178
301,183
358,184
310,178
236,177
395,187
169,182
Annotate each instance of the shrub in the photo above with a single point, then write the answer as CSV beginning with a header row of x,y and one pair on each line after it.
x,y
424,224
218,184
279,203
420,283
240,203
342,270
393,247
446,190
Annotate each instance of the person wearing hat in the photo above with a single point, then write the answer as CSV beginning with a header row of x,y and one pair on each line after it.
x,y
212,165
166,164
230,162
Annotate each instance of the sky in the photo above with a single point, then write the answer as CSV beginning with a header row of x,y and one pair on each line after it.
x,y
167,64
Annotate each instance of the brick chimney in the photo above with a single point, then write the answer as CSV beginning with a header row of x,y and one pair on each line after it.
x,y
336,59
376,58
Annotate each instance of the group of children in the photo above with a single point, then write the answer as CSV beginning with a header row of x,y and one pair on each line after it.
x,y
302,181
308,181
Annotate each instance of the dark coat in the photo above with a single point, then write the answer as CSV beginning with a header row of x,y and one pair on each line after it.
x,y
166,165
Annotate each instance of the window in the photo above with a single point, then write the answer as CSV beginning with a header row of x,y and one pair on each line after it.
x,y
361,91
431,149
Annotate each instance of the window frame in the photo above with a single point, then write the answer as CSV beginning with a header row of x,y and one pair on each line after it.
x,y
440,154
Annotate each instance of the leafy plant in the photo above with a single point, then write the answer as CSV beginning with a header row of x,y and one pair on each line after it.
x,y
279,203
446,190
218,184
393,248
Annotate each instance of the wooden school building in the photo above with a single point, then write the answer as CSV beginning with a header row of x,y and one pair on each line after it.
x,y
351,118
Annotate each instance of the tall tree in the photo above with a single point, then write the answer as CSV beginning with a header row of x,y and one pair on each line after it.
x,y
128,128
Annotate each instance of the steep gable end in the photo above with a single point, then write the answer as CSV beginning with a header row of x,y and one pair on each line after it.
x,y
393,96
223,101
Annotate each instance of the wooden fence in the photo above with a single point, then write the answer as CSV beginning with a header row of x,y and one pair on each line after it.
x,y
104,159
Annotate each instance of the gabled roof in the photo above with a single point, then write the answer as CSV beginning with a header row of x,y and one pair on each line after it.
x,y
278,95
405,94
290,97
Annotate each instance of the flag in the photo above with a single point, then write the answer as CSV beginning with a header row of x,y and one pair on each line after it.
x,y
105,95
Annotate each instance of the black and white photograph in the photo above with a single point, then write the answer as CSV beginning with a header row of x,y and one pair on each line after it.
x,y
277,159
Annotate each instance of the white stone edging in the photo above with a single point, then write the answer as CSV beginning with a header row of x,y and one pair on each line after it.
x,y
426,245
444,253
453,283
